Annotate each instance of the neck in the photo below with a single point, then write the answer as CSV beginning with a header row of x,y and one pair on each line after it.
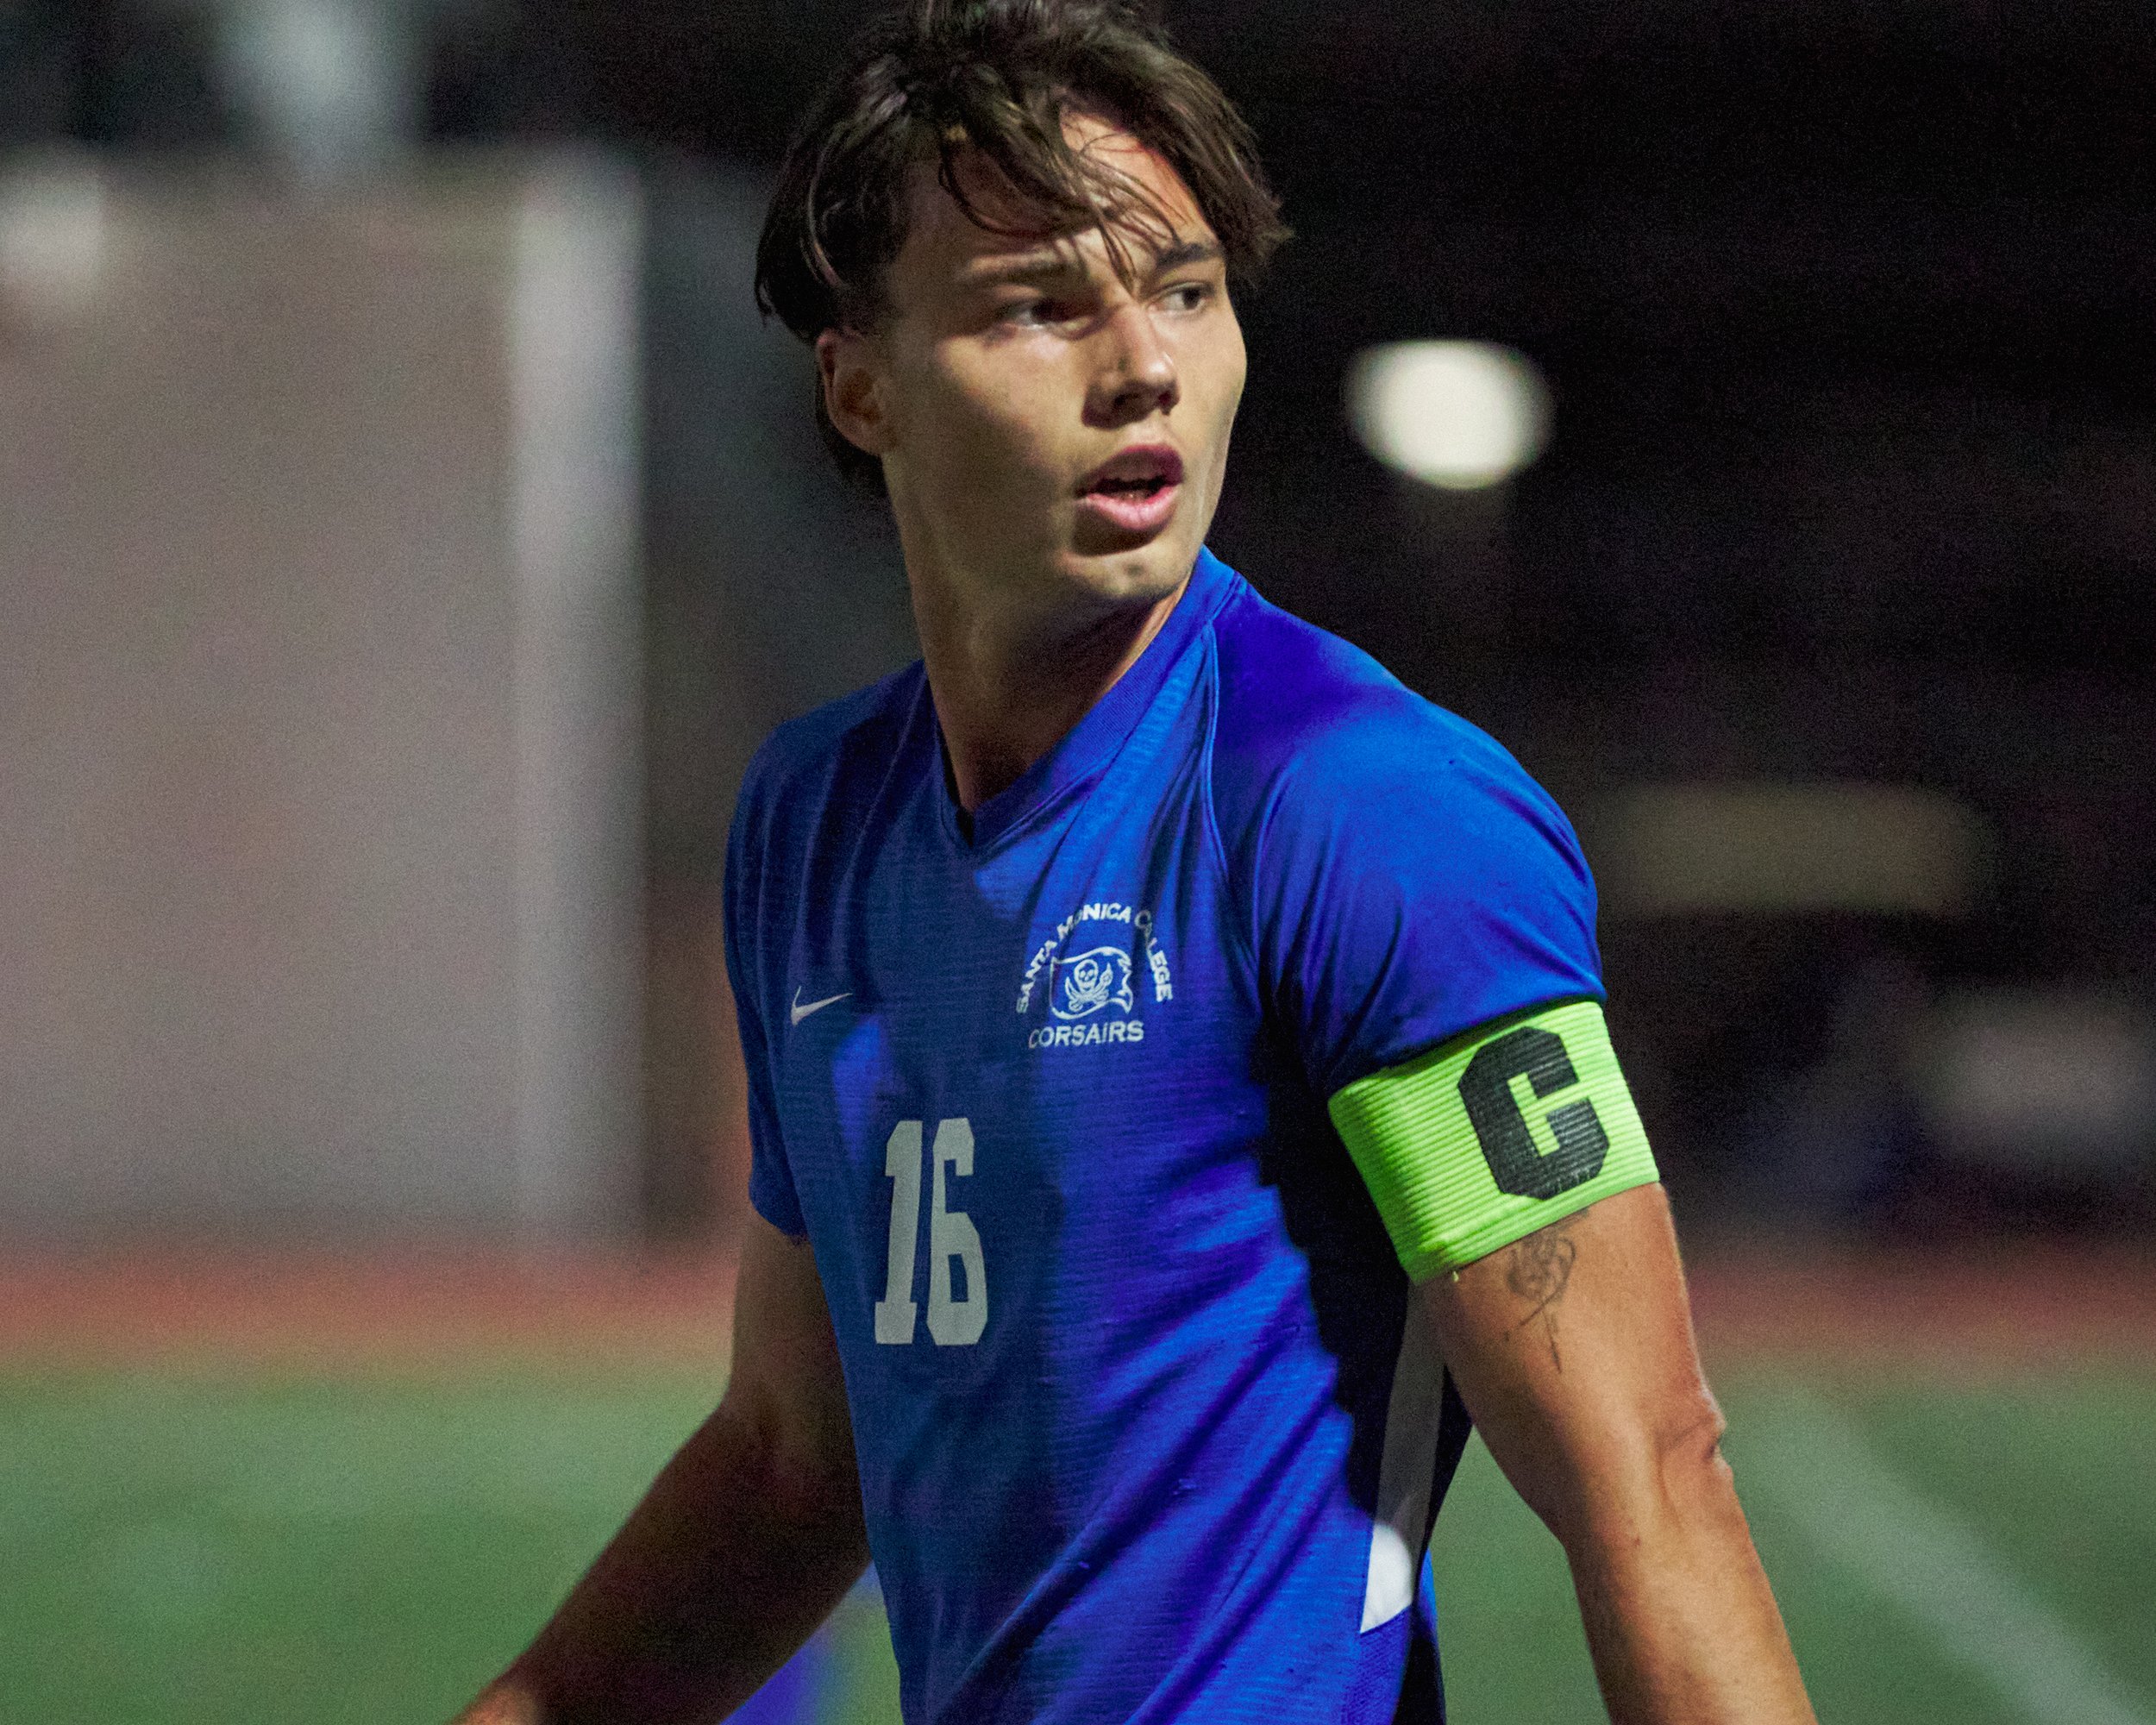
x,y
1007,689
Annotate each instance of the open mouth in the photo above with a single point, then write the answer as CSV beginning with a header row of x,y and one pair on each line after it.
x,y
1140,488
1139,506
1135,475
1135,491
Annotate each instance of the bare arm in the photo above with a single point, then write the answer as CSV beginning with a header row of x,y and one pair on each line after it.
x,y
745,1542
1573,1349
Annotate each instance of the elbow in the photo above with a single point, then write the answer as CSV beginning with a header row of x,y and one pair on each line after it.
x,y
1669,1481
813,1489
1690,1470
803,1462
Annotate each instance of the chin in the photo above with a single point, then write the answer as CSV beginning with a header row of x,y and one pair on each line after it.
x,y
1143,573
1150,568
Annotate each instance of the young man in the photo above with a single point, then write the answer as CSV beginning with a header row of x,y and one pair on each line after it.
x,y
1179,1086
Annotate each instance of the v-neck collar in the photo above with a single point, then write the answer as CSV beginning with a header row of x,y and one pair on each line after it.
x,y
1087,747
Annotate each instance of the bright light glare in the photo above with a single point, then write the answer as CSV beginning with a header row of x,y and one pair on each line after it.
x,y
327,81
53,237
1460,414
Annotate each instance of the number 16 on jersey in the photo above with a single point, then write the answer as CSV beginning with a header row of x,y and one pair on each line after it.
x,y
951,1237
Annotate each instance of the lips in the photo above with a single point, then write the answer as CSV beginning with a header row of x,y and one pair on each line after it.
x,y
1136,492
1142,468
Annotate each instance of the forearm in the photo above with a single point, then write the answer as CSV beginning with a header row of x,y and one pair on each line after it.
x,y
1680,1618
728,1565
1573,1349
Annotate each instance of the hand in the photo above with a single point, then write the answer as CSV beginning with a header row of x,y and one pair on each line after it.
x,y
503,1703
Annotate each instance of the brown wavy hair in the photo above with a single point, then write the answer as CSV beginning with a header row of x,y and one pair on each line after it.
x,y
934,77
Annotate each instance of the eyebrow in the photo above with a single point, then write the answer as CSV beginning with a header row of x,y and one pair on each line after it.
x,y
1186,252
1043,266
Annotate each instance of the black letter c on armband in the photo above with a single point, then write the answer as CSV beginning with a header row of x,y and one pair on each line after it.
x,y
1515,1163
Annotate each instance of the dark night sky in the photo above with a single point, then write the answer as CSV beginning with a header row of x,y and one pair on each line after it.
x,y
1757,249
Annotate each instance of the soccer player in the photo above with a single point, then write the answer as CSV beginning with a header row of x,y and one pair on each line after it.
x,y
1179,1086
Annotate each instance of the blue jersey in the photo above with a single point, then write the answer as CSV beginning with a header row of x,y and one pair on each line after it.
x,y
1144,1431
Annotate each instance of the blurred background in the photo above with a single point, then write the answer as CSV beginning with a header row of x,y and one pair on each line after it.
x,y
1746,412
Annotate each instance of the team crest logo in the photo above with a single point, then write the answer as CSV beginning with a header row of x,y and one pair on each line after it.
x,y
1081,986
1092,993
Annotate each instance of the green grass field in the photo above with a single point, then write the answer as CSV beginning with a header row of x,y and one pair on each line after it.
x,y
191,1548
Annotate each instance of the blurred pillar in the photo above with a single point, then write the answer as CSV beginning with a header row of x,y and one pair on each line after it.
x,y
319,838
769,589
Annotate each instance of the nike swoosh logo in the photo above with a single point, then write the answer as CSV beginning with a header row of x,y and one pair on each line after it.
x,y
801,1009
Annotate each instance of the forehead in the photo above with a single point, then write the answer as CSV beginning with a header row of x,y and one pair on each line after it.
x,y
942,243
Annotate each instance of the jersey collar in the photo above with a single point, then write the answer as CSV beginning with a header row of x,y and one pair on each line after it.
x,y
1087,747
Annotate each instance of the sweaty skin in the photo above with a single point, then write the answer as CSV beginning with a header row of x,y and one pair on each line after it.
x,y
1005,369
1616,1444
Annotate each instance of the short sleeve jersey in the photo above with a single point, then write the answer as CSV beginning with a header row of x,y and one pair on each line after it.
x,y
1144,1431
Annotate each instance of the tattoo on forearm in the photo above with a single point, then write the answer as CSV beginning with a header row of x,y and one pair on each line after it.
x,y
1537,1269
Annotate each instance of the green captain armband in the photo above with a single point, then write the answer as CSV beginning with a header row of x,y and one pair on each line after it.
x,y
1495,1134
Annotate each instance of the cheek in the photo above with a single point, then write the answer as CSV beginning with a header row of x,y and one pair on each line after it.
x,y
1218,369
1235,366
978,416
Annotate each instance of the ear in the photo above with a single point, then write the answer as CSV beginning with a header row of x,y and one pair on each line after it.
x,y
854,388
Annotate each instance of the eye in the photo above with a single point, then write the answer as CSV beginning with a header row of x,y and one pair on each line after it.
x,y
1031,311
1193,295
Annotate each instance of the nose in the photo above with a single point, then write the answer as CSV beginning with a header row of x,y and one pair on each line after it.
x,y
1137,377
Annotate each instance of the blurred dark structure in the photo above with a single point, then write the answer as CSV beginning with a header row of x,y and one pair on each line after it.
x,y
1846,308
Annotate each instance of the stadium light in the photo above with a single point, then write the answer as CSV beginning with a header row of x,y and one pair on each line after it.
x,y
53,237
1458,415
330,86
